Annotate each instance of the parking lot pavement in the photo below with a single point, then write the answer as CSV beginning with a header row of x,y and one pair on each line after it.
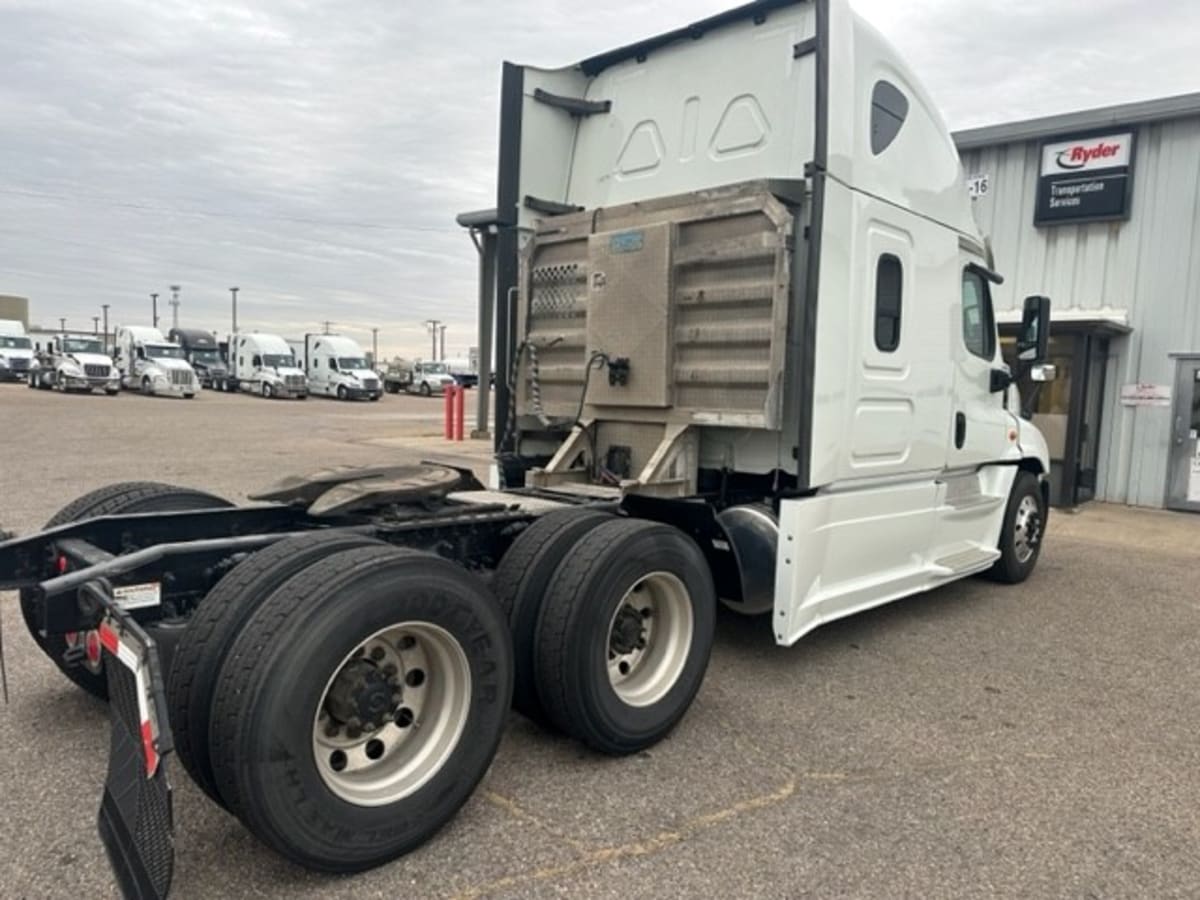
x,y
977,741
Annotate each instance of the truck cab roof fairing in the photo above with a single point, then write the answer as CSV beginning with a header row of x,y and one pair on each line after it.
x,y
677,122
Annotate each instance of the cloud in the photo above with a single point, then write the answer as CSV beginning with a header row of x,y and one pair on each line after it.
x,y
315,153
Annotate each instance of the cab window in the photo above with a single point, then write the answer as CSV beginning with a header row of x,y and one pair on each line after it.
x,y
978,321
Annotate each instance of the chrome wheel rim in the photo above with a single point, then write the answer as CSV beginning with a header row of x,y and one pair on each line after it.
x,y
649,637
392,714
1027,529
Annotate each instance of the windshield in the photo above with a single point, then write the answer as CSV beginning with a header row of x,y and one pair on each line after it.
x,y
433,368
14,343
205,356
81,345
351,362
278,360
157,351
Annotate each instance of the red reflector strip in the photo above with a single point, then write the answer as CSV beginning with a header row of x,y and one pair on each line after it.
x,y
148,749
109,639
62,565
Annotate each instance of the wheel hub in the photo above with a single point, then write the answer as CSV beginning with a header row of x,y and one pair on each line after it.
x,y
627,631
363,696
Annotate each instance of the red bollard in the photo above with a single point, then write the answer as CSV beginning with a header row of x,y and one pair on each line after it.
x,y
459,404
448,396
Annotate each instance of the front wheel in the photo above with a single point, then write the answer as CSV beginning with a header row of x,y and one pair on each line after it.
x,y
342,394
624,635
1023,530
360,706
267,391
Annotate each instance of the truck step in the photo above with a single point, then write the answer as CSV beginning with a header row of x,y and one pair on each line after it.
x,y
969,560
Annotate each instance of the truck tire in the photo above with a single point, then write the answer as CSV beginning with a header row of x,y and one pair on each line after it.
x,y
115,499
147,389
1022,532
266,391
214,627
408,639
426,390
624,635
520,584
341,392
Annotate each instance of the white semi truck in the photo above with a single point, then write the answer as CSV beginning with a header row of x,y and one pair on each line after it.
x,y
264,364
747,354
151,364
75,363
337,367
418,377
16,351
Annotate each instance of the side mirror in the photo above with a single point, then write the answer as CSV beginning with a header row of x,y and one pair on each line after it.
x,y
1044,373
1033,343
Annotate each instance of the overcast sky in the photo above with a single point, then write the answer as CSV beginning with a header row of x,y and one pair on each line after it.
x,y
315,152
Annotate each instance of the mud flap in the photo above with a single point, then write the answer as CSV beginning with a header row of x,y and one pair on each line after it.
x,y
135,818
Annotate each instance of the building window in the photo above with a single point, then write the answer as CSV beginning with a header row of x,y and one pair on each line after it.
x,y
889,291
979,324
889,109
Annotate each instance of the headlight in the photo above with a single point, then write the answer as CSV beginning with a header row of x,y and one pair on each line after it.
x,y
72,371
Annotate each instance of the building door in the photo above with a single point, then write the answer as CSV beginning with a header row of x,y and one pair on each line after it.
x,y
1094,348
1183,475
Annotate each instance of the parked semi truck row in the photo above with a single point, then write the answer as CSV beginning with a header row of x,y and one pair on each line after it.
x,y
151,364
749,356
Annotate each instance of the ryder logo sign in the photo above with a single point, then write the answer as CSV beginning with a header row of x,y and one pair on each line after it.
x,y
1085,179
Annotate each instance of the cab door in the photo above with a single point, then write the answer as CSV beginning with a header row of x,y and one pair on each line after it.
x,y
981,426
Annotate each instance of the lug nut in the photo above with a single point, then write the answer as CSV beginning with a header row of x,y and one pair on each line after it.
x,y
390,670
331,730
377,653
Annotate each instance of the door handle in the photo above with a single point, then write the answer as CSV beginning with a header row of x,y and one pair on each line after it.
x,y
960,430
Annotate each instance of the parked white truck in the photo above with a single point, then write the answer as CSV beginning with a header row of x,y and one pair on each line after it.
x,y
337,367
151,364
16,351
747,353
418,377
264,364
75,363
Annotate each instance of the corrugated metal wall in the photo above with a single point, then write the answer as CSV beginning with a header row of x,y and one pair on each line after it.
x,y
1148,266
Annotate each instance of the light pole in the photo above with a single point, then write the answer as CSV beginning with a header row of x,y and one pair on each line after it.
x,y
95,324
175,305
442,331
432,325
154,310
104,307
375,347
233,292
62,324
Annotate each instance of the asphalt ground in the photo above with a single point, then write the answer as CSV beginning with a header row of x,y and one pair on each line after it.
x,y
976,741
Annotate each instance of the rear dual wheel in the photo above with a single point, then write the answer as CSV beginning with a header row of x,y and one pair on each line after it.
x,y
116,499
624,635
612,621
360,705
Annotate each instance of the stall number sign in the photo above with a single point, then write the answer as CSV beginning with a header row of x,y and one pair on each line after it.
x,y
978,186
1086,179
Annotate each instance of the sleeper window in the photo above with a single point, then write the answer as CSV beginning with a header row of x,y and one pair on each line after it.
x,y
889,295
889,109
